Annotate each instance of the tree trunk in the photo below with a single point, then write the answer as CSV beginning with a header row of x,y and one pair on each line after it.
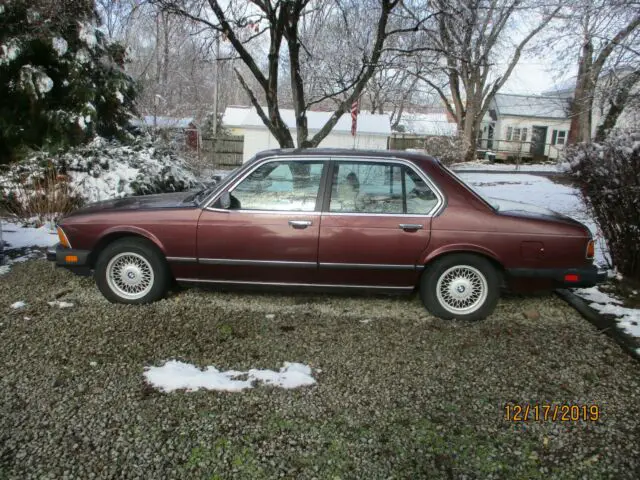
x,y
616,105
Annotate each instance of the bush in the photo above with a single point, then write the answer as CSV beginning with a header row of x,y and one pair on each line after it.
x,y
608,176
448,150
100,170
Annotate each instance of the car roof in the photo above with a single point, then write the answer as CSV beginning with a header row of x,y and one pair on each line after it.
x,y
345,152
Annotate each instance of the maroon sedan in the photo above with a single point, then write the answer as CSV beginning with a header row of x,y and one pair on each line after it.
x,y
330,219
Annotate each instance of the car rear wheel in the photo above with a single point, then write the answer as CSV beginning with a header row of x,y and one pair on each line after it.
x,y
460,286
132,270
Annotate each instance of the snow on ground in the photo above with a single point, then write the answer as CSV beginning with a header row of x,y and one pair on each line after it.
x,y
17,236
628,319
60,304
176,375
508,167
539,191
17,305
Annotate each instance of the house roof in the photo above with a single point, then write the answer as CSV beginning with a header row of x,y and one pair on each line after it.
x,y
248,117
163,122
531,106
429,124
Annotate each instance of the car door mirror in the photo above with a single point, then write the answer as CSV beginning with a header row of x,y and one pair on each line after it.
x,y
225,200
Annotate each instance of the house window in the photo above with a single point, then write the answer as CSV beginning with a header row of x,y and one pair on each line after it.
x,y
523,137
562,137
559,137
509,133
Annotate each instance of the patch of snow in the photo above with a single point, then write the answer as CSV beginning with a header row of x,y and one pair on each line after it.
x,y
60,304
269,316
1,9
26,318
60,45
87,34
628,319
44,83
119,96
81,123
176,375
93,364
17,305
20,237
593,294
4,269
83,56
9,53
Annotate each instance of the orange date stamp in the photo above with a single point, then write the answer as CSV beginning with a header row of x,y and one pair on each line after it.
x,y
535,412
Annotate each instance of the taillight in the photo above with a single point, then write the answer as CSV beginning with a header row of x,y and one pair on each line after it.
x,y
591,249
64,241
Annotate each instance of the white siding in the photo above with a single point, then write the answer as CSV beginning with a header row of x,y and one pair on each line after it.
x,y
504,148
257,140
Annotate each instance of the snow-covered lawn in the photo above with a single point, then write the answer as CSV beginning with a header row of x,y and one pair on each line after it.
x,y
176,375
509,167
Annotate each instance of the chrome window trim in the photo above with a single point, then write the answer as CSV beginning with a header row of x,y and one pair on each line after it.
x,y
284,284
365,266
261,263
437,209
269,212
264,161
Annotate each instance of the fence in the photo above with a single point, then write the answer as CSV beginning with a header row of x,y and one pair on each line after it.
x,y
514,149
223,150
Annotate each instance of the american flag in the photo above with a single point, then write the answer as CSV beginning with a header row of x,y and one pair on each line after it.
x,y
354,117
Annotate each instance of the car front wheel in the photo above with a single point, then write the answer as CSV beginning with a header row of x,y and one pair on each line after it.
x,y
460,286
132,270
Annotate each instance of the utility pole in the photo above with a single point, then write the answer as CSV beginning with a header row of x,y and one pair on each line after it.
x,y
215,87
216,70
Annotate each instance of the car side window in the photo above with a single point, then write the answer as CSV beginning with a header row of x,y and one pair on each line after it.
x,y
283,186
382,188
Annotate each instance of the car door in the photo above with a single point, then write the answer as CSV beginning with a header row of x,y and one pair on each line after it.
x,y
375,223
269,233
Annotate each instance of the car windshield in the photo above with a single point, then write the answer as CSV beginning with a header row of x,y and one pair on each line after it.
x,y
488,200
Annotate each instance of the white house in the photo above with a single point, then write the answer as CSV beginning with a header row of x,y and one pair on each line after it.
x,y
525,126
372,133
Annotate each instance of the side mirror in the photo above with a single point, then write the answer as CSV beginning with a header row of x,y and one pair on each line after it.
x,y
225,200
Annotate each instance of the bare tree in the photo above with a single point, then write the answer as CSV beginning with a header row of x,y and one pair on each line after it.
x,y
619,97
468,38
280,26
606,28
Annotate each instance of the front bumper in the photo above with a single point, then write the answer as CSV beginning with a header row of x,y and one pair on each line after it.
x,y
70,258
582,277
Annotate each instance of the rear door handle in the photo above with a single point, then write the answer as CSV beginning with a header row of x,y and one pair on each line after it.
x,y
300,223
411,227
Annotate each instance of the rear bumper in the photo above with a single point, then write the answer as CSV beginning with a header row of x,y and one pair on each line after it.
x,y
564,277
70,258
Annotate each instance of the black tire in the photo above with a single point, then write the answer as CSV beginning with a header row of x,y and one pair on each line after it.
x,y
145,257
472,272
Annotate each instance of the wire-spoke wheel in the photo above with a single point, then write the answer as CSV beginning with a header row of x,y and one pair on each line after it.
x,y
132,270
460,285
130,275
462,289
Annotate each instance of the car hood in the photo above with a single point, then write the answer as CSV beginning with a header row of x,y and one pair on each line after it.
x,y
142,202
521,209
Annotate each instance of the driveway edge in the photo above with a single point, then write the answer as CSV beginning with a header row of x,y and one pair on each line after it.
x,y
604,324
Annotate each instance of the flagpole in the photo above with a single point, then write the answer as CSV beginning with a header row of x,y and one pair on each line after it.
x,y
354,121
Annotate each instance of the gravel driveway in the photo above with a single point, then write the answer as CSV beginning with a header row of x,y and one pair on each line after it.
x,y
399,394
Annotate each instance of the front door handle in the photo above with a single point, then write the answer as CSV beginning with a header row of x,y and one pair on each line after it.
x,y
300,223
410,227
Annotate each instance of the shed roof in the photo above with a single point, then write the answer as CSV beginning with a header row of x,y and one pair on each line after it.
x,y
248,117
436,124
531,106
